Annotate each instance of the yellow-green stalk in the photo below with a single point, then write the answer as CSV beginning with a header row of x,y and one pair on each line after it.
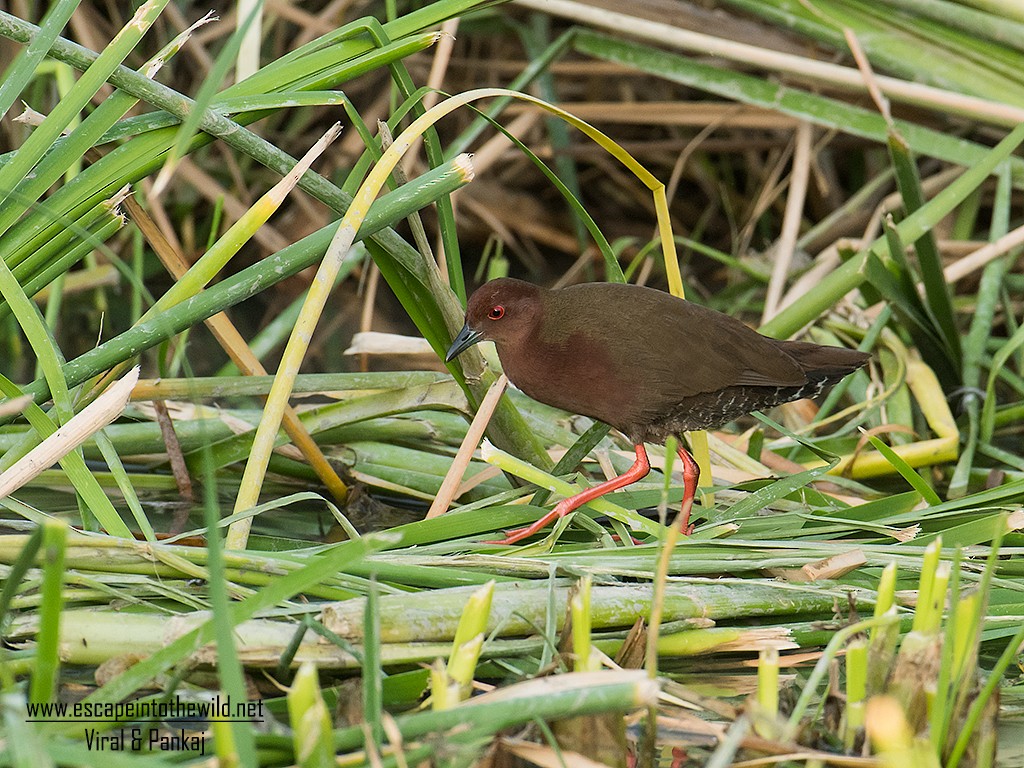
x,y
856,690
967,620
310,720
926,585
937,604
444,694
883,637
224,744
767,693
915,674
469,637
462,664
586,659
886,594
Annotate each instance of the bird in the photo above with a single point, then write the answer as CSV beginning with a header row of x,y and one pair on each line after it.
x,y
643,361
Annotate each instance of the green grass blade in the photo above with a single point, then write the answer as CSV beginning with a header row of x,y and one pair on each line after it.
x,y
67,109
906,471
937,295
23,68
43,687
373,669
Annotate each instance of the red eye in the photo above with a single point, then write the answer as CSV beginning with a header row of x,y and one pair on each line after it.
x,y
496,313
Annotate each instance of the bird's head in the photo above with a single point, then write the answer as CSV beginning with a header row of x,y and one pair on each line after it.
x,y
503,311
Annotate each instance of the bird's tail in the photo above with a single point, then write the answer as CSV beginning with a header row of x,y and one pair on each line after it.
x,y
820,362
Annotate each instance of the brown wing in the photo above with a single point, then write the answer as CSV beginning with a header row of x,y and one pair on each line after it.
x,y
626,354
692,348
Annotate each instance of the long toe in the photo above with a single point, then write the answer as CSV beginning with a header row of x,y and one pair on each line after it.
x,y
512,537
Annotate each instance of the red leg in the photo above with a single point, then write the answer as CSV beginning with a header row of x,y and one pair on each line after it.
x,y
691,474
641,467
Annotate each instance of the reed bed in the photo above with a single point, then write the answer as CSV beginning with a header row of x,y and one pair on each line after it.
x,y
208,501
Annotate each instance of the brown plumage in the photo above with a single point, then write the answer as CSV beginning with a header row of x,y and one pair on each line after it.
x,y
647,363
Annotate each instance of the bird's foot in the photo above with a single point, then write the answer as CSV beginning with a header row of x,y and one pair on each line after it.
x,y
512,537
518,534
634,539
561,509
